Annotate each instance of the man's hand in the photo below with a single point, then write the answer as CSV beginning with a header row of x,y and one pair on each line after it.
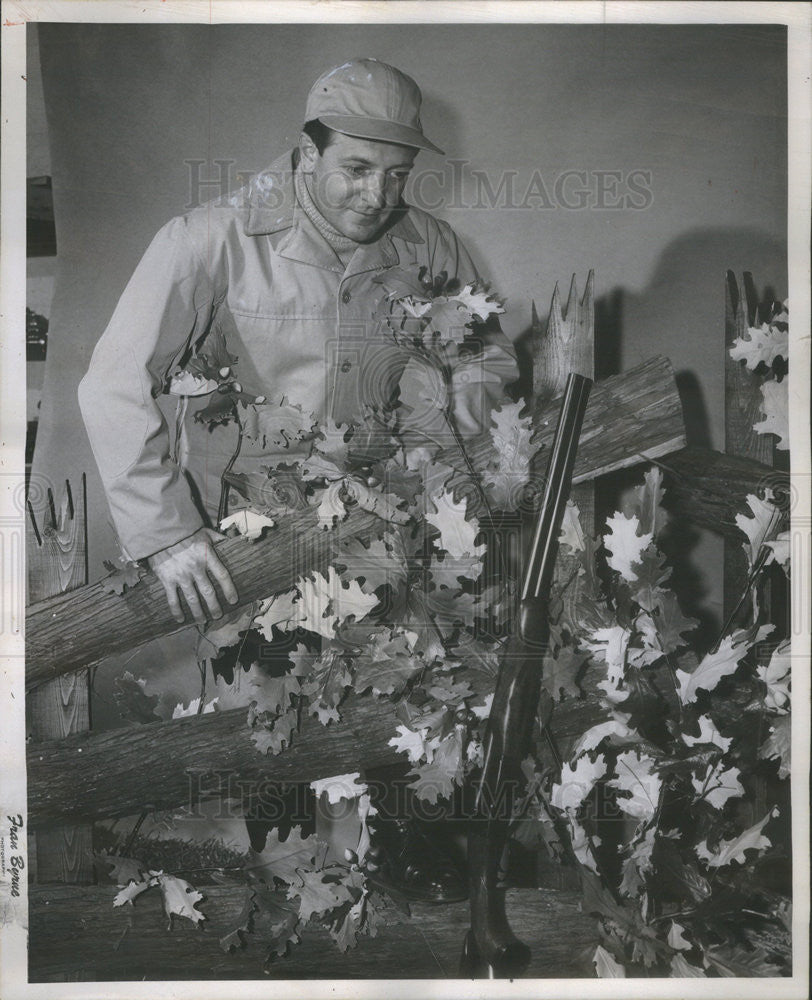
x,y
192,565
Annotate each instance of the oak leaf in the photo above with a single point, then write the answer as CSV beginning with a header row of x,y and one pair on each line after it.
x,y
681,968
778,744
277,738
670,622
184,383
718,784
625,544
576,782
652,573
382,562
282,610
708,733
448,572
225,633
776,678
345,931
780,550
248,523
775,407
333,441
387,664
716,665
443,773
180,898
762,527
728,851
122,575
762,345
340,787
638,864
559,673
316,895
605,965
572,533
281,859
133,701
275,424
457,534
636,776
241,924
611,645
619,733
413,743
646,501
319,467
478,301
122,870
134,889
509,471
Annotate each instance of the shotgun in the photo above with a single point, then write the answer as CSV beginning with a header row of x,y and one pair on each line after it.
x,y
491,950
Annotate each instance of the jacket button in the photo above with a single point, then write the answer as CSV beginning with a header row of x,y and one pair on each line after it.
x,y
346,296
345,367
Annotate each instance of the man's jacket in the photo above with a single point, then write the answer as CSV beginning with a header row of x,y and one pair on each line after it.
x,y
299,323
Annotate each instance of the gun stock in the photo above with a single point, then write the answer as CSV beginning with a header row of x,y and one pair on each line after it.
x,y
491,948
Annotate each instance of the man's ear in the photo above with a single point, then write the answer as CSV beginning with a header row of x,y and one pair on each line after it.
x,y
308,153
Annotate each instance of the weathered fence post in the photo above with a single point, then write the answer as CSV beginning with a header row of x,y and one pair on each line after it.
x,y
568,345
57,563
743,409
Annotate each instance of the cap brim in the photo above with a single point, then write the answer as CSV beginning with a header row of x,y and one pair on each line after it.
x,y
380,130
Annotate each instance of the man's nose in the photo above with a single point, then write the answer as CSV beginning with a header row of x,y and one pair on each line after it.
x,y
375,190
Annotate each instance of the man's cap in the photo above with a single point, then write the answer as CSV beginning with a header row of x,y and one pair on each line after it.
x,y
369,99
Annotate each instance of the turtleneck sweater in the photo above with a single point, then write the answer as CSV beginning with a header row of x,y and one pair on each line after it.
x,y
343,246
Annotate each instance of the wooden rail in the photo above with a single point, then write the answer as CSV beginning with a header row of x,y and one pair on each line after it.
x,y
631,418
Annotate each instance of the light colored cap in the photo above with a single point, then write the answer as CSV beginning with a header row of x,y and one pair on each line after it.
x,y
369,99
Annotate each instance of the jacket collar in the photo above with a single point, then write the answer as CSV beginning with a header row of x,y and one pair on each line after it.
x,y
272,205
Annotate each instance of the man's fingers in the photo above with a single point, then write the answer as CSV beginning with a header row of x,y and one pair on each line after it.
x,y
193,601
209,595
174,603
223,577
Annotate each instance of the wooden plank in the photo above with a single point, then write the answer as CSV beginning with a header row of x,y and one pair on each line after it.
x,y
57,563
56,549
71,927
709,488
179,760
743,400
631,418
567,345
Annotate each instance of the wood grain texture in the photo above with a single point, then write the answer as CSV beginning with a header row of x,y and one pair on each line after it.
x,y
709,488
568,343
631,418
57,563
567,346
70,928
92,775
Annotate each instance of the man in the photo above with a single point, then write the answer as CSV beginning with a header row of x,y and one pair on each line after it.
x,y
286,269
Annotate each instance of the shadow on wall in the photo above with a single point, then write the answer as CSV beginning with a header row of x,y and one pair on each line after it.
x,y
681,314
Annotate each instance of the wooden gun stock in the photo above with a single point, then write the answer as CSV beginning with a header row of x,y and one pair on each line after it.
x,y
491,949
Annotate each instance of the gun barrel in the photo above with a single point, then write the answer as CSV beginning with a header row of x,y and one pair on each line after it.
x,y
539,569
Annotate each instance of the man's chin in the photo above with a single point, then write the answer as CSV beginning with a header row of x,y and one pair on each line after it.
x,y
365,232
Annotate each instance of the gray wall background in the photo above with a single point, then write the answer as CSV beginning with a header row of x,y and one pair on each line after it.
x,y
701,109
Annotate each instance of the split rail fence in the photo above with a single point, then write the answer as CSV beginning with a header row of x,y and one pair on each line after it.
x,y
76,776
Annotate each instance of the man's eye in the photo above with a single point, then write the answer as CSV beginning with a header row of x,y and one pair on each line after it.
x,y
356,171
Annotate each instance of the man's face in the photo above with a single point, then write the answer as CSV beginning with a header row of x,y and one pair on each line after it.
x,y
356,183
